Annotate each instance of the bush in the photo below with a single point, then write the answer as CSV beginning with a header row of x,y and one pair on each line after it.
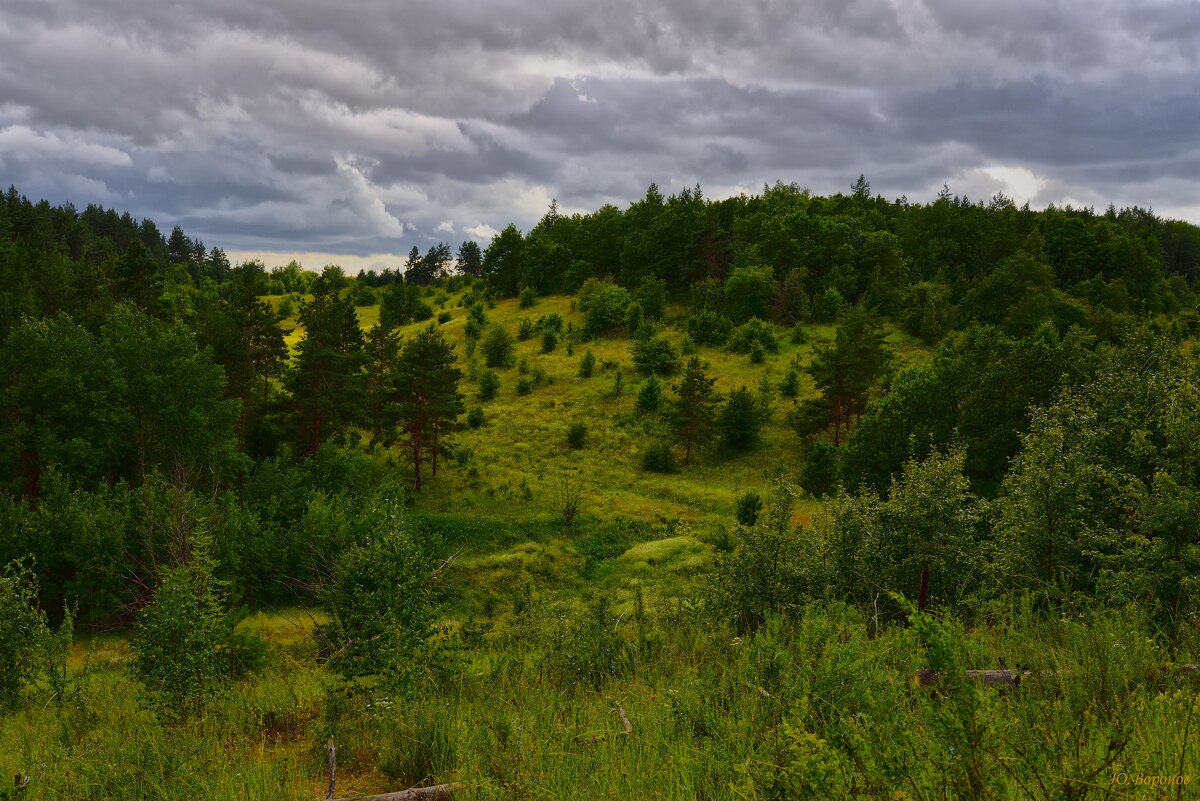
x,y
755,333
748,507
178,639
549,342
633,318
789,387
379,601
489,385
23,632
476,417
650,396
604,305
706,327
828,306
528,298
551,322
798,336
444,318
498,347
525,329
587,364
577,435
655,355
476,321
659,457
525,385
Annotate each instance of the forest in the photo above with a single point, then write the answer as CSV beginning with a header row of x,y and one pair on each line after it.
x,y
692,499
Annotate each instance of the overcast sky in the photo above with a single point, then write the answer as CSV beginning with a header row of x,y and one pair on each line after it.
x,y
348,132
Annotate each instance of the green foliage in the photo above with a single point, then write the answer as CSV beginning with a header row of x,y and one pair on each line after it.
x,y
525,329
754,335
528,298
844,373
748,507
489,385
380,603
655,355
577,435
476,321
604,306
789,387
497,346
476,417
771,568
707,327
659,457
749,292
649,396
739,421
694,409
828,306
178,638
930,521
428,403
525,385
822,469
24,634
587,364
549,342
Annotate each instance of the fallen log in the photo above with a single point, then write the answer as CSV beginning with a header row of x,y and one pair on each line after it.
x,y
437,792
992,678
1004,677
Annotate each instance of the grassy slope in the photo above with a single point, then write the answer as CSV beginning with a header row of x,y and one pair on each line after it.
x,y
521,455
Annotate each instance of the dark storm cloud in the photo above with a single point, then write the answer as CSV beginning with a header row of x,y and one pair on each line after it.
x,y
304,125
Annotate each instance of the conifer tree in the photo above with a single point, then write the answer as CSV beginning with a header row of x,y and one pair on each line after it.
x,y
428,401
694,407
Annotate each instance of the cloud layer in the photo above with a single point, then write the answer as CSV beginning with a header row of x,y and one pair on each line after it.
x,y
307,126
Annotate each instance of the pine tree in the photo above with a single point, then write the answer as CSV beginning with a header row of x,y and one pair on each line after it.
x,y
694,407
382,353
327,380
428,403
844,373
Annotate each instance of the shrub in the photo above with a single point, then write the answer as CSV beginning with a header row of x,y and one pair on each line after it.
x,y
528,298
828,306
659,457
604,305
489,385
498,347
706,327
789,387
754,333
549,342
178,638
525,385
476,417
525,329
23,632
551,322
798,336
444,318
748,507
379,601
587,364
650,396
577,435
476,321
633,317
749,291
655,355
